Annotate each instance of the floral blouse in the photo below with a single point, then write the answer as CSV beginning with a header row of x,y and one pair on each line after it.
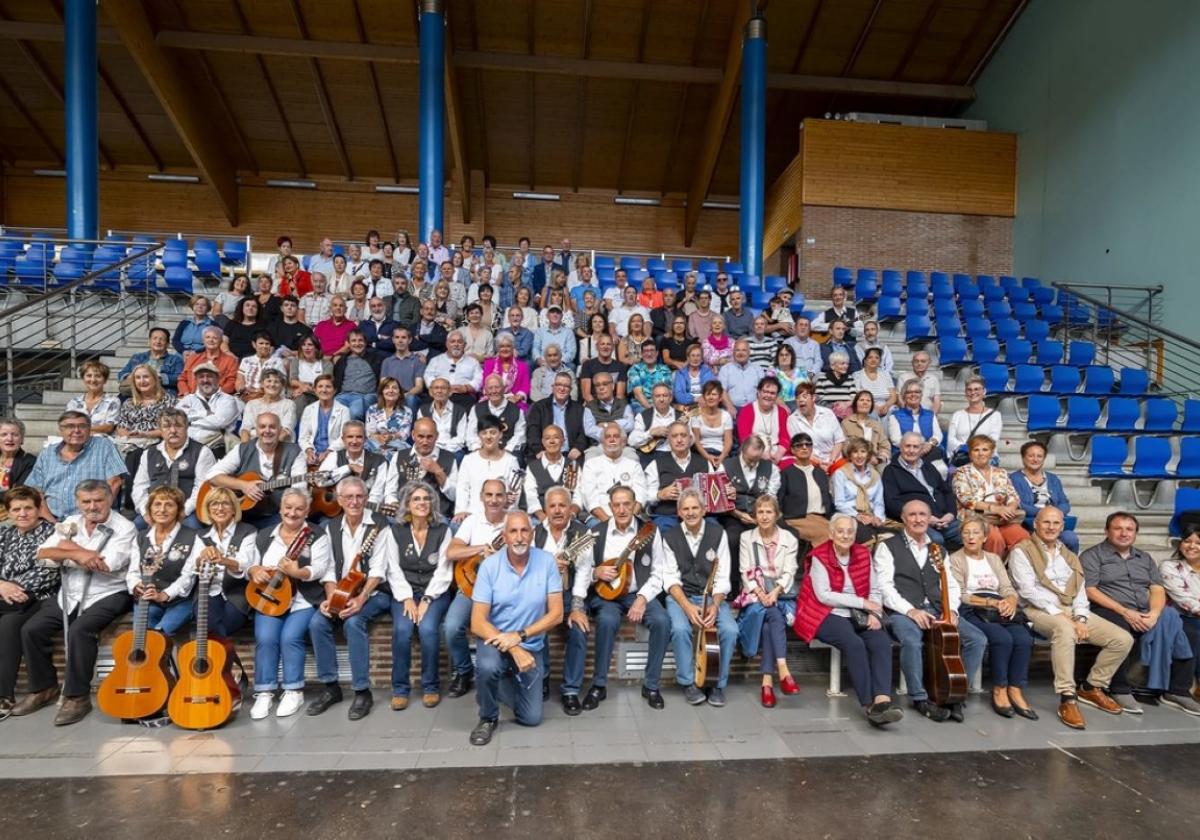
x,y
972,485
142,418
17,563
398,422
788,383
105,412
1182,583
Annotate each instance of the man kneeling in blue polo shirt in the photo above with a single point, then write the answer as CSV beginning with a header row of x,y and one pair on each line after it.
x,y
517,598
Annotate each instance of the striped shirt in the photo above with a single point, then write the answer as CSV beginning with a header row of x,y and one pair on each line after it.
x,y
762,350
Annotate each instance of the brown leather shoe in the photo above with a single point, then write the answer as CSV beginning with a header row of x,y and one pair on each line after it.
x,y
30,703
399,704
1099,698
430,699
73,710
1196,693
1068,713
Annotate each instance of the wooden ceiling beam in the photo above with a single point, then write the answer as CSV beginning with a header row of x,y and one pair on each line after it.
x,y
480,99
127,112
531,123
631,108
20,108
361,29
782,102
198,134
323,99
862,39
918,36
581,97
669,168
715,127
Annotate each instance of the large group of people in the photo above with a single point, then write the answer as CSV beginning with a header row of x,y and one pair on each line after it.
x,y
504,444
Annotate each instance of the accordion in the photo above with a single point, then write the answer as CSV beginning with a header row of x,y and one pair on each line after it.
x,y
714,487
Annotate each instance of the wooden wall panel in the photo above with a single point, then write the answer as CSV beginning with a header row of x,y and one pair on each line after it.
x,y
903,168
784,208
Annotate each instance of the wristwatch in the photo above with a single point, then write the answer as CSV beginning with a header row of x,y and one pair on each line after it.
x,y
1082,619
524,636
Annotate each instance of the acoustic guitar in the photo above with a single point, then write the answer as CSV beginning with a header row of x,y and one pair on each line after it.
x,y
141,679
680,416
618,586
274,598
203,698
355,578
706,648
277,483
467,570
945,675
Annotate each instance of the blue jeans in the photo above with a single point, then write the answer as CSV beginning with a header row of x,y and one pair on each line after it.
x,y
912,646
454,628
169,618
429,631
357,403
606,616
275,636
750,623
1010,647
575,658
224,619
949,534
355,629
681,639
498,681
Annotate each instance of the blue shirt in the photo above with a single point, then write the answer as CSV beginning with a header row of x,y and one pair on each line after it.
x,y
560,415
321,439
741,384
169,367
563,337
578,293
517,601
57,478
189,335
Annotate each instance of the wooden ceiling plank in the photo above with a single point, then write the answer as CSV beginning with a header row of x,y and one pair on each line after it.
x,y
531,122
862,39
917,38
20,108
581,96
965,45
631,108
997,41
198,134
669,169
784,101
323,100
132,119
458,135
480,104
361,29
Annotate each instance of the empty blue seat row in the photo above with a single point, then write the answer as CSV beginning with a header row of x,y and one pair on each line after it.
x,y
1150,458
1124,415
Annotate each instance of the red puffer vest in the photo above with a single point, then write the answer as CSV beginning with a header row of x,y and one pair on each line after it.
x,y
809,611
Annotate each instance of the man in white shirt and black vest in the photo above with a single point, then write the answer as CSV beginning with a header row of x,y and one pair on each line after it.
x,y
641,602
269,458
549,469
449,417
653,423
426,461
497,404
680,461
354,459
686,555
912,597
347,532
177,462
556,531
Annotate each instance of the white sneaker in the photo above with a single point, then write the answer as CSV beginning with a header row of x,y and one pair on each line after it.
x,y
262,705
290,703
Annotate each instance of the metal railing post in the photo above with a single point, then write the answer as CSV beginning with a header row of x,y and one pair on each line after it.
x,y
10,379
73,304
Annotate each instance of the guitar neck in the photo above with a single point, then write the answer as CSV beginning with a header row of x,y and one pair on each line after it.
x,y
281,481
141,618
202,620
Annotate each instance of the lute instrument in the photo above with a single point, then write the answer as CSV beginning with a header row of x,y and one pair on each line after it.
x,y
652,442
467,569
355,579
618,586
277,483
140,682
274,598
945,676
204,696
706,648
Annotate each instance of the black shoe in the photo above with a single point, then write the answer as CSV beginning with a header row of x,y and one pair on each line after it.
x,y
571,704
956,712
329,695
883,713
935,713
654,698
545,690
596,695
1025,712
361,707
694,696
481,735
1003,711
716,697
460,685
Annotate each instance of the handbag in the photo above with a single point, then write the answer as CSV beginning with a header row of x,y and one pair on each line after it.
x,y
961,457
766,584
861,619
992,615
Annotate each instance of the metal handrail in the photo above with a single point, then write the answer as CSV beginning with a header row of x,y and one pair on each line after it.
x,y
67,288
1153,290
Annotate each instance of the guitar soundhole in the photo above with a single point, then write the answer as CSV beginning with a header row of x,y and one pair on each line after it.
x,y
200,668
137,657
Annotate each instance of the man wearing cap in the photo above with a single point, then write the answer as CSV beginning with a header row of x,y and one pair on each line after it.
x,y
739,321
779,314
212,414
554,333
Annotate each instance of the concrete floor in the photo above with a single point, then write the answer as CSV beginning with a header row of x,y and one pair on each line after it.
x,y
622,730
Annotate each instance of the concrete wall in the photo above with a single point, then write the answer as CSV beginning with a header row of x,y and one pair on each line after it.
x,y
1105,98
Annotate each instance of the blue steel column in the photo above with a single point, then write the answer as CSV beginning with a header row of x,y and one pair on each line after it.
x,y
754,143
82,141
431,107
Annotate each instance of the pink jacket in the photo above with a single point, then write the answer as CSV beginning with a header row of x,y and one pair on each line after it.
x,y
520,381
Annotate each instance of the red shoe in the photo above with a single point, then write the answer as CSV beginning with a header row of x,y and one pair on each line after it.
x,y
788,685
768,697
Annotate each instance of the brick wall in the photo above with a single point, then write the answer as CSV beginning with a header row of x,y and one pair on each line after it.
x,y
858,237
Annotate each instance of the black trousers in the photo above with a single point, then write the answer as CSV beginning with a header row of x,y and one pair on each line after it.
x,y
83,643
12,618
1181,669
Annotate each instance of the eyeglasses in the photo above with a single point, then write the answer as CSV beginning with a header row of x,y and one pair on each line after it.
x,y
801,445
74,427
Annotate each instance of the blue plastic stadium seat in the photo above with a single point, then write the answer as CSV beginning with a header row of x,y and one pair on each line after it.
x,y
1083,414
1007,329
1079,314
995,377
917,327
917,289
1009,282
1160,415
66,272
1082,353
985,350
1030,282
910,276
889,310
233,252
960,277
939,276
944,308
1024,312
630,263
174,257
734,268
1187,500
1189,458
707,266
1052,314
1028,379
1150,457
656,265
971,308
866,289
774,282
610,263
1049,352
952,352
681,266
1123,414
178,280
842,276
1018,352
942,289
947,325
1191,417
1108,457
208,262
1044,410
977,328
1036,331
760,298
1064,379
890,284
1041,295
997,309
1098,380
994,295
1016,294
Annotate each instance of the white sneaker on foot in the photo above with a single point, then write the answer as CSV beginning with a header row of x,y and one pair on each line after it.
x,y
262,705
290,703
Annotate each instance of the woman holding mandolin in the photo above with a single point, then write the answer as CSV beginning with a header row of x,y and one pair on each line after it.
x,y
421,592
290,553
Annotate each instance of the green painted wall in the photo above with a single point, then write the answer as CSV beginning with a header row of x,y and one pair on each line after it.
x,y
1105,95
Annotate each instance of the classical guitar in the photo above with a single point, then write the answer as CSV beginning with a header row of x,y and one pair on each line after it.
x,y
277,483
706,648
618,586
141,679
467,569
203,697
355,578
274,598
945,675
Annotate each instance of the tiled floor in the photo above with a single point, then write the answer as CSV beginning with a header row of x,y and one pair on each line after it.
x,y
623,729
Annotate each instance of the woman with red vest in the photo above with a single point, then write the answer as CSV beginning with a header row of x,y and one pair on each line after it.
x,y
840,591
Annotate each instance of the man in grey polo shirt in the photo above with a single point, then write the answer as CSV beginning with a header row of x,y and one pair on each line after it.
x,y
405,367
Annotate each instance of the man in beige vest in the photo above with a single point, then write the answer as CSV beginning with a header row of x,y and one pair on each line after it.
x,y
1049,579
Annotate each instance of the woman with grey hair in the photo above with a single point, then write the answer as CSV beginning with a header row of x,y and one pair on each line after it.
x,y
836,389
15,462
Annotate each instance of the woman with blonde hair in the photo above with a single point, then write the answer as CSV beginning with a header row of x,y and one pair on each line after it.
x,y
228,610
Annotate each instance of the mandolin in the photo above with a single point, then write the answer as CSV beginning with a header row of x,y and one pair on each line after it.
x,y
274,598
277,483
466,570
203,698
680,416
945,676
618,586
140,681
355,578
706,648
325,503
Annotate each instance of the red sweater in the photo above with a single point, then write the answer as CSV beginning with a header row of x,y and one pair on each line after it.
x,y
809,611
